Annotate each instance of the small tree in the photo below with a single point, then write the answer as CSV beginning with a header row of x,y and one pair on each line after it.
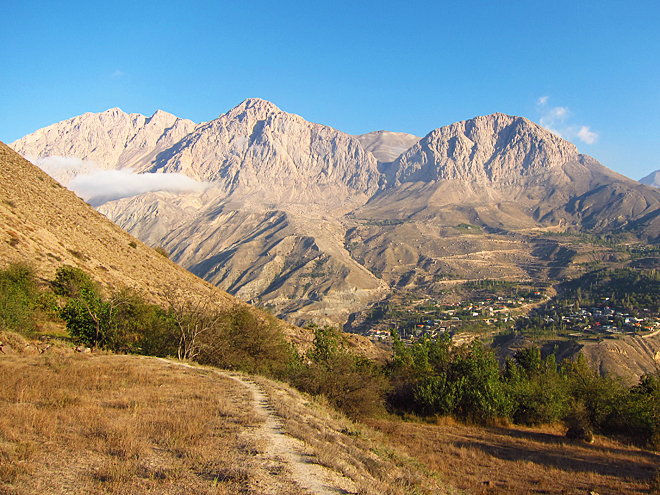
x,y
351,383
190,320
89,318
70,281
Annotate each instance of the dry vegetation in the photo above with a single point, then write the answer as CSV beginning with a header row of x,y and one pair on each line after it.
x,y
121,424
89,423
516,460
352,449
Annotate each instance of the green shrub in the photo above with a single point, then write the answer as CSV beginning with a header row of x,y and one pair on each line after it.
x,y
89,319
445,380
70,281
239,339
538,391
639,414
19,299
352,384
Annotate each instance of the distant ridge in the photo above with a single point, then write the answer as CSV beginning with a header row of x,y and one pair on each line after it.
x,y
653,179
316,224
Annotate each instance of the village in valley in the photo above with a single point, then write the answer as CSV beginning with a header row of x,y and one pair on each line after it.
x,y
489,308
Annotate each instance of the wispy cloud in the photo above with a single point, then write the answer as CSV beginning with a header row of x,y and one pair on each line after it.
x,y
586,135
64,168
556,120
117,73
97,186
108,185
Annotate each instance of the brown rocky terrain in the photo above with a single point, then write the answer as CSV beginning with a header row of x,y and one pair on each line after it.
x,y
316,224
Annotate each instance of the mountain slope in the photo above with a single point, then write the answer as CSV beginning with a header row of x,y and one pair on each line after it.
x,y
653,179
111,139
508,173
317,224
46,225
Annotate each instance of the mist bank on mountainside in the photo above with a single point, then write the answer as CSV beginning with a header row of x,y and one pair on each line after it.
x,y
316,224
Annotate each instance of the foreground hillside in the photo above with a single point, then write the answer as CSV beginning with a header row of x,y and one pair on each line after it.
x,y
156,426
45,224
87,423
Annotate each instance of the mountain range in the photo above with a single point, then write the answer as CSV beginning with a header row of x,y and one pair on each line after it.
x,y
316,224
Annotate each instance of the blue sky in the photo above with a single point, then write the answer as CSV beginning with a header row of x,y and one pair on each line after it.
x,y
590,70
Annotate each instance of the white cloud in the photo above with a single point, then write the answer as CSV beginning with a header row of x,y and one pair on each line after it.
x,y
117,74
555,120
107,185
587,136
64,168
98,186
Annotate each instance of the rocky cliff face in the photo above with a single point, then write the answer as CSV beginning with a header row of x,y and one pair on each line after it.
x,y
257,147
317,223
493,148
111,139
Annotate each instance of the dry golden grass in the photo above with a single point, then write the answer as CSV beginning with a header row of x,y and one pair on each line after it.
x,y
516,460
352,449
80,423
124,424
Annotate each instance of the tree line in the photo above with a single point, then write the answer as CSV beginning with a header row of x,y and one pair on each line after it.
x,y
431,377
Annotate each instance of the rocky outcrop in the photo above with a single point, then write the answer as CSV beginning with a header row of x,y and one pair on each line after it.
x,y
111,139
493,148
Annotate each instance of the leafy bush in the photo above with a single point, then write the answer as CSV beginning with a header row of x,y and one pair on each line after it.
x,y
538,390
239,339
19,299
445,380
88,318
70,281
352,384
639,414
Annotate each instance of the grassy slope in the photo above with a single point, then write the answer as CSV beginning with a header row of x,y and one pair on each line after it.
x,y
89,423
517,460
126,424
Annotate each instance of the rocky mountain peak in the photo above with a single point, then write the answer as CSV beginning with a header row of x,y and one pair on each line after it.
x,y
490,148
111,139
253,107
256,147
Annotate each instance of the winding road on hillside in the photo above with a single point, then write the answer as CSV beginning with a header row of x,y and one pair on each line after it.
x,y
283,450
313,477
